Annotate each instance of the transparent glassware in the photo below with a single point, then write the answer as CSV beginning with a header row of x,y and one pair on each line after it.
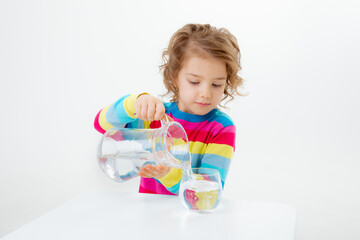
x,y
123,151
201,189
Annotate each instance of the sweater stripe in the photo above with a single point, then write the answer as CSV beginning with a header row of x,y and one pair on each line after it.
x,y
212,148
104,119
203,136
207,126
97,125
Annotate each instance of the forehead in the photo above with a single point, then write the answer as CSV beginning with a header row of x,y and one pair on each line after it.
x,y
205,66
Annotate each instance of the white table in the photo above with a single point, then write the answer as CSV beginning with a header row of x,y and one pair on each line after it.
x,y
119,215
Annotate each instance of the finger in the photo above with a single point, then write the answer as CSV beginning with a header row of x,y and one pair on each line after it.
x,y
151,112
144,108
146,168
151,170
160,111
170,119
160,168
163,169
144,172
138,111
144,175
164,118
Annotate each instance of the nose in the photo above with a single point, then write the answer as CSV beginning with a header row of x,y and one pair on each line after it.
x,y
205,92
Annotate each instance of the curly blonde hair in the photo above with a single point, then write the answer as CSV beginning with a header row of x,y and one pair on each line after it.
x,y
197,39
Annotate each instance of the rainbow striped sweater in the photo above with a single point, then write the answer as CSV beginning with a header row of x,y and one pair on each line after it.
x,y
211,139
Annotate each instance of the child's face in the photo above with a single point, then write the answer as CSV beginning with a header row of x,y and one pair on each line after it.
x,y
201,83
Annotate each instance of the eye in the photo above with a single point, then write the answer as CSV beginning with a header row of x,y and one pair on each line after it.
x,y
217,85
194,82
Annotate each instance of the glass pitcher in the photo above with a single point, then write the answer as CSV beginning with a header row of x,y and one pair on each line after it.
x,y
123,151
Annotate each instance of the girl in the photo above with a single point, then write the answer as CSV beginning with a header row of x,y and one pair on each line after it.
x,y
200,71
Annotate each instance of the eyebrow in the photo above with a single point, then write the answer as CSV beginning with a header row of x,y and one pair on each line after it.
x,y
198,76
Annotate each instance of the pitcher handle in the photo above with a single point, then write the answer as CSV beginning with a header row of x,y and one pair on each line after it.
x,y
168,119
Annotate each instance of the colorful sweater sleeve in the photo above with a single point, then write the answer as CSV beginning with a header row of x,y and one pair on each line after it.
x,y
219,151
117,114
172,180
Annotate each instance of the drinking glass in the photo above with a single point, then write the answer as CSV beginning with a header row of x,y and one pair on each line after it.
x,y
201,189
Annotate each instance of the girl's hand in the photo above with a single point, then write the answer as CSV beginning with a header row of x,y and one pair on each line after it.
x,y
149,171
149,108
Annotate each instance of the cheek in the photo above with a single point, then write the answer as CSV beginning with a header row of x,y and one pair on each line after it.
x,y
220,91
186,89
183,93
219,94
188,94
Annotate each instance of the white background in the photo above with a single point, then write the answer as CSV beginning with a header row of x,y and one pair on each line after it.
x,y
298,133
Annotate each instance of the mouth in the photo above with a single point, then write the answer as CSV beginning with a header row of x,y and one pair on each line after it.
x,y
202,104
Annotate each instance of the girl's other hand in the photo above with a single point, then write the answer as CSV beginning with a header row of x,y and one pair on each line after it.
x,y
150,171
149,108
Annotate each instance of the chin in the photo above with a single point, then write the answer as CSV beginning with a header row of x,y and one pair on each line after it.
x,y
203,112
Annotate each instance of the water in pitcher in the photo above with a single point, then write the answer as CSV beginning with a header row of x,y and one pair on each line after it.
x,y
123,167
